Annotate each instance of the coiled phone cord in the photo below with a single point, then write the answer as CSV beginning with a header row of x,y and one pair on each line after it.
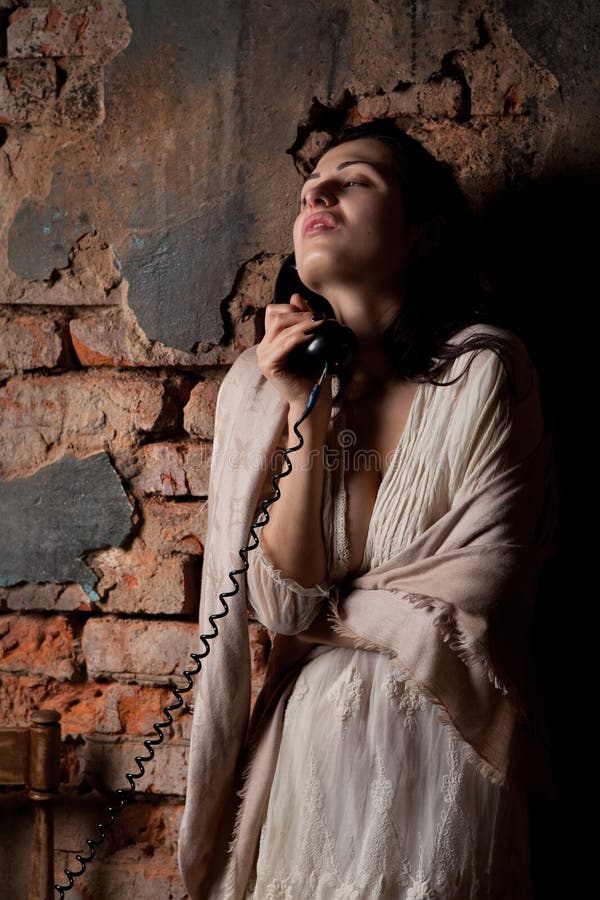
x,y
125,795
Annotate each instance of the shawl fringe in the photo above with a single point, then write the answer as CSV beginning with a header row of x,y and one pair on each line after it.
x,y
446,622
231,878
485,768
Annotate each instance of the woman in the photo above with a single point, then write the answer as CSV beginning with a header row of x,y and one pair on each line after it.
x,y
390,749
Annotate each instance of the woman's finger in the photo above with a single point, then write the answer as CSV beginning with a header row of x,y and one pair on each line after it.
x,y
283,318
276,351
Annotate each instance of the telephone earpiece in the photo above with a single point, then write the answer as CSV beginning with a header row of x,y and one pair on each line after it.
x,y
333,342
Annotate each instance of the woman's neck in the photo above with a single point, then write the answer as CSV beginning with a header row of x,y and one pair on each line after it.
x,y
371,371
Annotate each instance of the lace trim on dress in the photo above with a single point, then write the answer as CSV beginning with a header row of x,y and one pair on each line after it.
x,y
320,589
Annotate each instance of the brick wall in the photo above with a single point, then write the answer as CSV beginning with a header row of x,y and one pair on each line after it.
x,y
147,193
79,380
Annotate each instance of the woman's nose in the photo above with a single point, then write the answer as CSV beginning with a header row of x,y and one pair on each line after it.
x,y
319,196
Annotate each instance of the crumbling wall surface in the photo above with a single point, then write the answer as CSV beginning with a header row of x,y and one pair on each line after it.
x,y
151,156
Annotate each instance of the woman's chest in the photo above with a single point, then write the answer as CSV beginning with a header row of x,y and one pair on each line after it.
x,y
364,447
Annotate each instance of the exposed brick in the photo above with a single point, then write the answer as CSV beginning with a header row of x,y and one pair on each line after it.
x,y
161,470
199,412
97,31
70,290
501,75
115,339
58,597
169,527
36,645
151,820
441,99
436,99
404,102
137,859
94,260
27,91
104,761
29,342
92,278
104,341
143,870
140,580
174,470
197,458
80,104
88,707
151,650
42,415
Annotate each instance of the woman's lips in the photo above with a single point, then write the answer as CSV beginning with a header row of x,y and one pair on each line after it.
x,y
319,222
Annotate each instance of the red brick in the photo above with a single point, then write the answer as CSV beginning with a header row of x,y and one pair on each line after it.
x,y
80,104
432,100
142,870
97,30
115,338
29,342
149,650
46,596
70,290
27,92
197,468
140,580
199,412
501,75
104,761
148,821
172,469
139,857
161,470
36,645
104,341
174,527
92,279
441,99
89,707
43,415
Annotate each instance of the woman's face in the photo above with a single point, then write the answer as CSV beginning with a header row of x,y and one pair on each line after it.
x,y
366,237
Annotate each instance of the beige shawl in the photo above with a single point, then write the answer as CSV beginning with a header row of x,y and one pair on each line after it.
x,y
453,609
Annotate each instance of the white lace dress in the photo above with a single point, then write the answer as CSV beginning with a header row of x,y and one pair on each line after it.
x,y
372,796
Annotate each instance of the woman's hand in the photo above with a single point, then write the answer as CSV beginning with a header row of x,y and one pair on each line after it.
x,y
286,326
293,537
321,632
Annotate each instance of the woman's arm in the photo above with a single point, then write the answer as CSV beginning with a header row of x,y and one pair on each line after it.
x,y
293,540
321,632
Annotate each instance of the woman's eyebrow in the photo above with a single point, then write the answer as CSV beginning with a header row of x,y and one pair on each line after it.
x,y
349,162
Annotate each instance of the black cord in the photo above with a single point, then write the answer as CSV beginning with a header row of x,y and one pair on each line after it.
x,y
126,795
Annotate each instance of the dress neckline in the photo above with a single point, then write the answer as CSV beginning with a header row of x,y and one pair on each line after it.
x,y
384,480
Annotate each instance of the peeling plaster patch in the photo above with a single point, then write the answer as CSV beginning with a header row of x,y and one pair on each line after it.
x,y
177,277
51,518
41,238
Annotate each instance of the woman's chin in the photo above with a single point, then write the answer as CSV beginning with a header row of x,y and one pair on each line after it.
x,y
320,274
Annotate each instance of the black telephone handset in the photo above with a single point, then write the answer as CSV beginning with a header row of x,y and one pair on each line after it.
x,y
333,342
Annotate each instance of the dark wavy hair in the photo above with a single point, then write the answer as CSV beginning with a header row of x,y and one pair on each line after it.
x,y
443,291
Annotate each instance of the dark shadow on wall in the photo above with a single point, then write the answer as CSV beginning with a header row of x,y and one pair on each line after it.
x,y
543,258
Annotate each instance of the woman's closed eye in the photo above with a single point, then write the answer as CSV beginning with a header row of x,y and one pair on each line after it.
x,y
346,184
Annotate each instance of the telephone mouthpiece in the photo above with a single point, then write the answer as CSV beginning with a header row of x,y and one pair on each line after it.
x,y
333,343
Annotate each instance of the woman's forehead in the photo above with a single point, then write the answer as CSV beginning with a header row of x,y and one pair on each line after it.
x,y
365,150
